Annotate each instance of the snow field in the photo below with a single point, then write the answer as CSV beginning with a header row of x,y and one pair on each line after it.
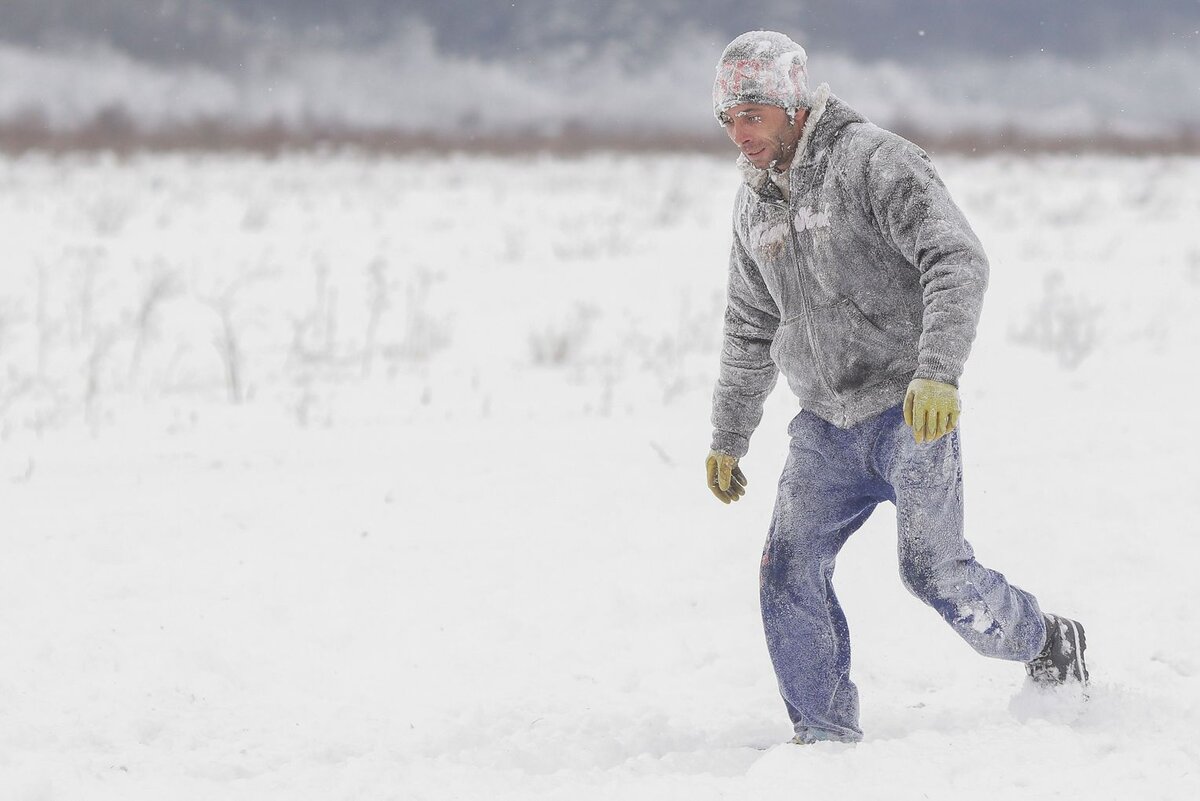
x,y
451,539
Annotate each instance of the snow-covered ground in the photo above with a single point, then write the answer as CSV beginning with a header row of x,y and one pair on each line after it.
x,y
336,478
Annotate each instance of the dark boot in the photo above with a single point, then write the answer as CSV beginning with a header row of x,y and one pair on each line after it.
x,y
1061,661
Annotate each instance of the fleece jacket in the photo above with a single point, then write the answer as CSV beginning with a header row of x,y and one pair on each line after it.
x,y
866,276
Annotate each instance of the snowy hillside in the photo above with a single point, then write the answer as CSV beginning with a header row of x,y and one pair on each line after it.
x,y
328,477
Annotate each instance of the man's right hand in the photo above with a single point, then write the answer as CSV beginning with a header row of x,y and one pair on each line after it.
x,y
725,478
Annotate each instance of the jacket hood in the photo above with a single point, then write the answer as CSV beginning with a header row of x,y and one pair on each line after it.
x,y
826,119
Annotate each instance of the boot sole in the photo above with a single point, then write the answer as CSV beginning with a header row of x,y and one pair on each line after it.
x,y
1079,644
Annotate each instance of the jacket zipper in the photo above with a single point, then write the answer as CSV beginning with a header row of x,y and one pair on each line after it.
x,y
822,368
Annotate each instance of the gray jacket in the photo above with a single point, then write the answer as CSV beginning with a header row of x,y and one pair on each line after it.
x,y
866,277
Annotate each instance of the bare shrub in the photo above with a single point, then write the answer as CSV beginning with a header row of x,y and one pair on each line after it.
x,y
109,213
379,300
97,357
228,339
558,344
161,287
669,356
1061,324
314,334
423,333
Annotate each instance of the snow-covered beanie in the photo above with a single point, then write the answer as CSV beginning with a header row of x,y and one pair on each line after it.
x,y
761,67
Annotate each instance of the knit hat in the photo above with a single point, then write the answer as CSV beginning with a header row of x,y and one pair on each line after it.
x,y
761,67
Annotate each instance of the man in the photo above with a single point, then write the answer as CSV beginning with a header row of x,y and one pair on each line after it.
x,y
854,273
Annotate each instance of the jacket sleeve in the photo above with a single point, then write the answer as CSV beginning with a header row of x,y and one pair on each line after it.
x,y
747,373
916,214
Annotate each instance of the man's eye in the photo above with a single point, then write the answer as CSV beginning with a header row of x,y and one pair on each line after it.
x,y
755,118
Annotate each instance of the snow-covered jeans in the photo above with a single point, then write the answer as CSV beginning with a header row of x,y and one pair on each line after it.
x,y
832,481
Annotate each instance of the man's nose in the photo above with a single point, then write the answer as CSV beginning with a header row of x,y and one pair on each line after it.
x,y
739,132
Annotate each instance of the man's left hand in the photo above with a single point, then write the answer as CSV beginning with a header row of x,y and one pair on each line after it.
x,y
931,408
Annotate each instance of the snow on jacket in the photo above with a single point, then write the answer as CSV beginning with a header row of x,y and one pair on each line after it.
x,y
866,277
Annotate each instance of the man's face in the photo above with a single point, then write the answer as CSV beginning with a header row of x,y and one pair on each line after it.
x,y
763,133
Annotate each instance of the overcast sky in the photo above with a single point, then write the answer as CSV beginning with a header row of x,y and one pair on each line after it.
x,y
1083,65
865,29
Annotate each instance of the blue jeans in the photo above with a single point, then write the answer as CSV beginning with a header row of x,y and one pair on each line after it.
x,y
832,481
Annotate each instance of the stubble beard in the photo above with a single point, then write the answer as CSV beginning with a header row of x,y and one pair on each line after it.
x,y
786,151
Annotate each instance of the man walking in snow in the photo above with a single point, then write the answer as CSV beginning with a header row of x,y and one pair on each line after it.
x,y
854,274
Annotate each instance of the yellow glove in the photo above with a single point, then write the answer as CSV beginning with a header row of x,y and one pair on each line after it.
x,y
931,408
725,478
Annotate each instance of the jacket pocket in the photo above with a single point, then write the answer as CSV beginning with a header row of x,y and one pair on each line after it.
x,y
793,355
862,327
858,352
